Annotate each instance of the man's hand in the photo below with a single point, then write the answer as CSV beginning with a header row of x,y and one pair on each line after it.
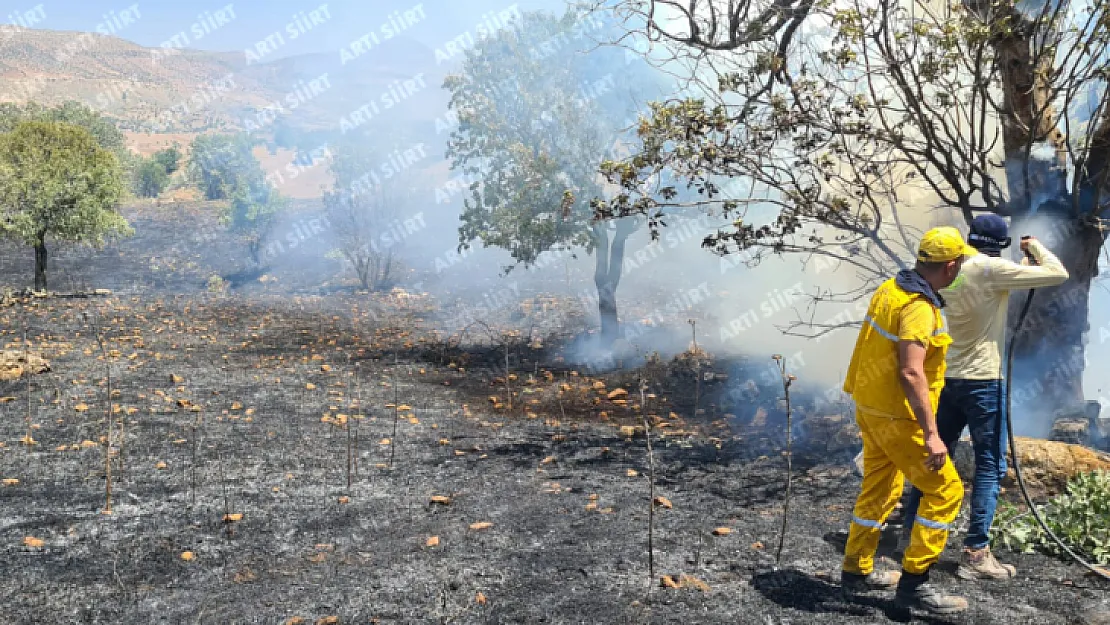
x,y
938,453
1025,241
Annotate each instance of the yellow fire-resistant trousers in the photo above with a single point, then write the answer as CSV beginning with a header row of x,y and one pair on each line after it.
x,y
893,447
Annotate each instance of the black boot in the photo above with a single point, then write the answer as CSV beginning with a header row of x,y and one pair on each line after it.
x,y
915,591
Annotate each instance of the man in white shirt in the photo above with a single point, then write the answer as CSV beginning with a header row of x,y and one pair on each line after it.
x,y
974,391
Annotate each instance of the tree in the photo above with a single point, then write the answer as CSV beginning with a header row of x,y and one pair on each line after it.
x,y
835,113
224,168
150,179
107,135
221,164
538,111
55,181
252,213
366,206
151,175
169,158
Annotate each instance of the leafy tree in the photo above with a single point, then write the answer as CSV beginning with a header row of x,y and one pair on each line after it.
x,y
224,168
252,213
150,179
151,176
537,115
169,158
365,204
56,182
107,135
221,164
835,114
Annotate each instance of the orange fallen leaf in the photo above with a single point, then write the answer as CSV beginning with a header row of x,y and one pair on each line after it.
x,y
689,581
310,386
617,393
722,531
440,499
590,507
631,473
548,460
81,407
480,599
295,620
668,582
663,502
31,541
344,499
160,465
384,441
481,525
432,541
187,555
233,517
327,620
757,545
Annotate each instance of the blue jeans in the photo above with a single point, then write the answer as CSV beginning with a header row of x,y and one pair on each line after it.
x,y
978,405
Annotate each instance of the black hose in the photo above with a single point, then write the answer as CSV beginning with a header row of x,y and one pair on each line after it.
x,y
1013,448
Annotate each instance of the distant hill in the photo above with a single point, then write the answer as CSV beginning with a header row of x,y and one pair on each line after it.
x,y
190,91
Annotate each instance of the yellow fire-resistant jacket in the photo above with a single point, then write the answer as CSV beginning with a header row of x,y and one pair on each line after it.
x,y
872,378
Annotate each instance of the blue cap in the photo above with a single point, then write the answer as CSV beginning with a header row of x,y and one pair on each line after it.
x,y
989,233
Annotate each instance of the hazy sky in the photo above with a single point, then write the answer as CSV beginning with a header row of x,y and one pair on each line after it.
x,y
248,23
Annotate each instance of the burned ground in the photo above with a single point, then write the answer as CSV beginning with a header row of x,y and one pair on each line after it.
x,y
235,406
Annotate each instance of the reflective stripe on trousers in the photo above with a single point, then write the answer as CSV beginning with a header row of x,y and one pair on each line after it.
x,y
894,448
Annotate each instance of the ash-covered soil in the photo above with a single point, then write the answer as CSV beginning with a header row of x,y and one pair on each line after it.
x,y
234,407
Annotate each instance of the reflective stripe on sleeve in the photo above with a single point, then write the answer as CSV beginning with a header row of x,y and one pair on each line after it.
x,y
866,522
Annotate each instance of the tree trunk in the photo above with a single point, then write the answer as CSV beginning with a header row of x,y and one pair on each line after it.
x,y
609,261
1049,347
40,264
607,311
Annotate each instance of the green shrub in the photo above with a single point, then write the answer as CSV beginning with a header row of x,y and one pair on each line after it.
x,y
1080,517
216,284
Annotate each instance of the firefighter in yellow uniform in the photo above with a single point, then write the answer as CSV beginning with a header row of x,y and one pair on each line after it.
x,y
895,377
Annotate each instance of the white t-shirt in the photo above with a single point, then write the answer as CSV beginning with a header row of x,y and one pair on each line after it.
x,y
976,304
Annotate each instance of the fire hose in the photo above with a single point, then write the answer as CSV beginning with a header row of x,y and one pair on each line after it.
x,y
1103,573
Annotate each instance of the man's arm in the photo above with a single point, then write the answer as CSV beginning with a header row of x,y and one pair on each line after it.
x,y
917,324
911,374
1005,275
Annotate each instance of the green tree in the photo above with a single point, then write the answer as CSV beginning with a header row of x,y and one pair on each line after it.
x,y
224,168
539,109
252,213
151,176
150,179
220,165
834,114
169,158
107,135
56,182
